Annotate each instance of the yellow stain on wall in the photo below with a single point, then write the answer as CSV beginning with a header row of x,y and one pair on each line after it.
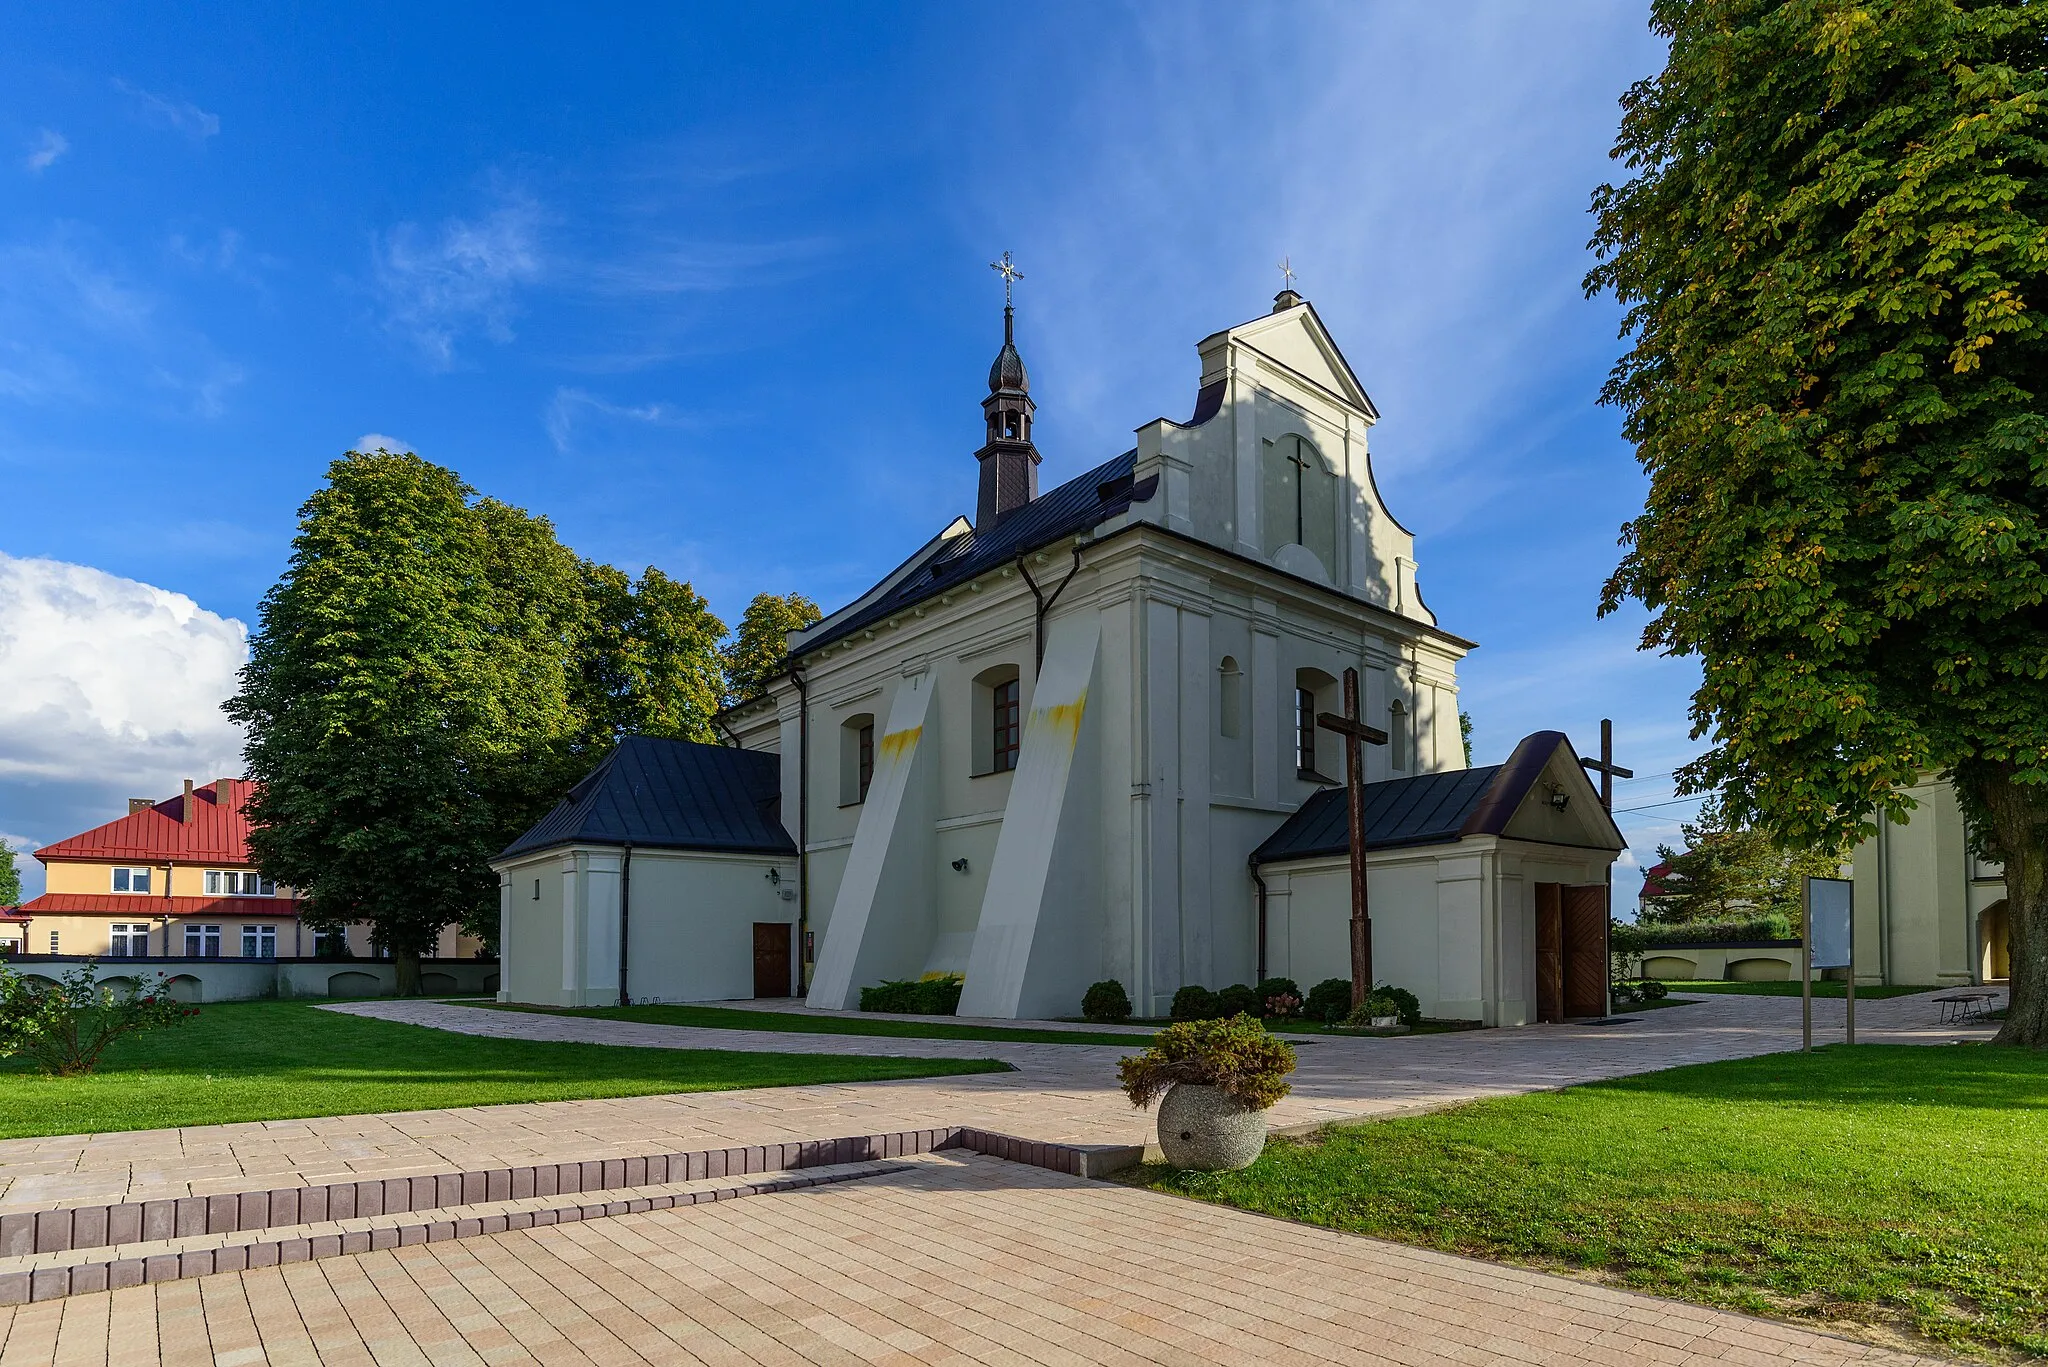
x,y
898,744
1062,719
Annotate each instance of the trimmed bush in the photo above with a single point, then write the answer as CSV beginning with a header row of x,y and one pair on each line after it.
x,y
1410,1009
1235,1056
1277,987
1625,938
1195,1003
934,996
1329,1001
1106,1001
1240,1000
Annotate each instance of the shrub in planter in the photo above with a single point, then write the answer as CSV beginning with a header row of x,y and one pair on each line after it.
x,y
1329,1001
1217,1080
1240,1000
1374,1009
1106,1001
1410,1009
1195,1003
65,1026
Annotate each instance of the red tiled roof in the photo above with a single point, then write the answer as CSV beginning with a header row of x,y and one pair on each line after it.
x,y
1653,879
119,904
217,834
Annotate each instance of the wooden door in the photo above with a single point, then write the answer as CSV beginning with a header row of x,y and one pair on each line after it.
x,y
1585,950
1550,951
771,958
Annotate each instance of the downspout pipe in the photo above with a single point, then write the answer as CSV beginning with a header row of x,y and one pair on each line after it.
x,y
1261,976
1045,604
625,920
803,829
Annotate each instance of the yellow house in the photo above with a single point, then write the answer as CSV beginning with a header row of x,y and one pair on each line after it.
x,y
174,879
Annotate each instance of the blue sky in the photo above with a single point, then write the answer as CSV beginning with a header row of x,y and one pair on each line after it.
x,y
708,286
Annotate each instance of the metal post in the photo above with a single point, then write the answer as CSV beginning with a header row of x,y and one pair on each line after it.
x,y
1851,992
1806,967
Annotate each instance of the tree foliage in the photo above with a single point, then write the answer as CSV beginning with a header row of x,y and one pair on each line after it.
x,y
67,1025
652,665
1729,871
10,877
758,649
1831,253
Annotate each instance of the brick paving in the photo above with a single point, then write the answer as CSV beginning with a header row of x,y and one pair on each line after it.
x,y
1064,1093
954,1260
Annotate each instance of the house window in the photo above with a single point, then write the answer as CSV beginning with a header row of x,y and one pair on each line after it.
x,y
131,880
1305,732
536,894
1007,737
856,758
259,942
202,942
1400,740
53,942
129,941
1229,697
239,883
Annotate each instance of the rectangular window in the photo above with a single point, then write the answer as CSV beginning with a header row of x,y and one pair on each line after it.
x,y
1008,733
53,942
202,942
129,940
1304,731
866,760
131,880
239,883
259,942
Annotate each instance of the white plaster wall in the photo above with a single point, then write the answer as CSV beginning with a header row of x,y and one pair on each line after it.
x,y
691,932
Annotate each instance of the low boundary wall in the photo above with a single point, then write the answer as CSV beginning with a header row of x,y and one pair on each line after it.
x,y
233,980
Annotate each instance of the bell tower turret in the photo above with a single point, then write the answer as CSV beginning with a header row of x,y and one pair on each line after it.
x,y
1009,462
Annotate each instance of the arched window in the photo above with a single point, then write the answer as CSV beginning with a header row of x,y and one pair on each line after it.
x,y
1314,691
1400,736
998,719
1229,697
856,758
1299,500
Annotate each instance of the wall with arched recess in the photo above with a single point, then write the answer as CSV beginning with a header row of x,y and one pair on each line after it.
x,y
355,984
1670,967
1994,941
186,988
1759,970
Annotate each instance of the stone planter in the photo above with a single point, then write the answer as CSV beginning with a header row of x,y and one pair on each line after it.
x,y
1209,1130
1385,1022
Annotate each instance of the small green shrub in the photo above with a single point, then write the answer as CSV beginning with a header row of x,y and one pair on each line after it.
x,y
1106,1001
1236,1056
1276,987
1195,1003
1633,938
1240,1000
1329,1001
934,996
65,1026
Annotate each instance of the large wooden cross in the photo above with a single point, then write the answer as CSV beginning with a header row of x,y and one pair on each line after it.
x,y
1605,765
1356,734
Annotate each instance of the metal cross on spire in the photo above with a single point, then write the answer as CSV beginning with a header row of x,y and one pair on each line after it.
x,y
1286,273
1011,275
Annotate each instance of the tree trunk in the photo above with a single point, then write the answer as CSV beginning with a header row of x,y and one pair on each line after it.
x,y
2018,816
406,963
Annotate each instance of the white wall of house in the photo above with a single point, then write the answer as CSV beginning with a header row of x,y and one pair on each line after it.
x,y
690,931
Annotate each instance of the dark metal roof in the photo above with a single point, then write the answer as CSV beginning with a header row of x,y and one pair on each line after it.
x,y
671,794
1429,809
1079,504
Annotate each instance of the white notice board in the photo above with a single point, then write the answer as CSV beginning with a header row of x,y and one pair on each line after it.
x,y
1829,902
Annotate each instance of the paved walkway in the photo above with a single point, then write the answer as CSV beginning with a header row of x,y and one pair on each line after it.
x,y
1058,1092
955,1261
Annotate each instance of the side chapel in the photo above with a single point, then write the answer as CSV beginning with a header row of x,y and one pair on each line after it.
x,y
1075,738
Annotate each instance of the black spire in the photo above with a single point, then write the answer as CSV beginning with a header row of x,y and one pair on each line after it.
x,y
1009,462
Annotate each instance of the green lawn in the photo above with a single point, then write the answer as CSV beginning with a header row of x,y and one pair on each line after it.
x,y
890,1027
1864,991
283,1060
1891,1188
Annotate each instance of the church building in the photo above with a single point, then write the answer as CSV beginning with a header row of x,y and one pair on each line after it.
x,y
1076,738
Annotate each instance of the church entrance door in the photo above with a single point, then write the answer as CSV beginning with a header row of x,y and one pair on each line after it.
x,y
1571,951
771,958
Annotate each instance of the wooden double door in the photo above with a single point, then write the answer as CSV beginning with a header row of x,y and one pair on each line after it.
x,y
1571,950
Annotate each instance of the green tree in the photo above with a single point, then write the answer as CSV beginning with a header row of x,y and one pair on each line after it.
x,y
10,877
1727,871
1465,735
760,647
398,678
650,662
1832,252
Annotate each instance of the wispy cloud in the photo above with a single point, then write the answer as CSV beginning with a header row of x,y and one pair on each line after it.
x,y
463,275
571,406
44,151
180,116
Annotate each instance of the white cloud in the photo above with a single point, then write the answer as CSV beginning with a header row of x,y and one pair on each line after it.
x,y
49,145
111,682
436,285
378,441
569,406
181,116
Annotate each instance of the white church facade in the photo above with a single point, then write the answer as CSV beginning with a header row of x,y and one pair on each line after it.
x,y
1075,739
